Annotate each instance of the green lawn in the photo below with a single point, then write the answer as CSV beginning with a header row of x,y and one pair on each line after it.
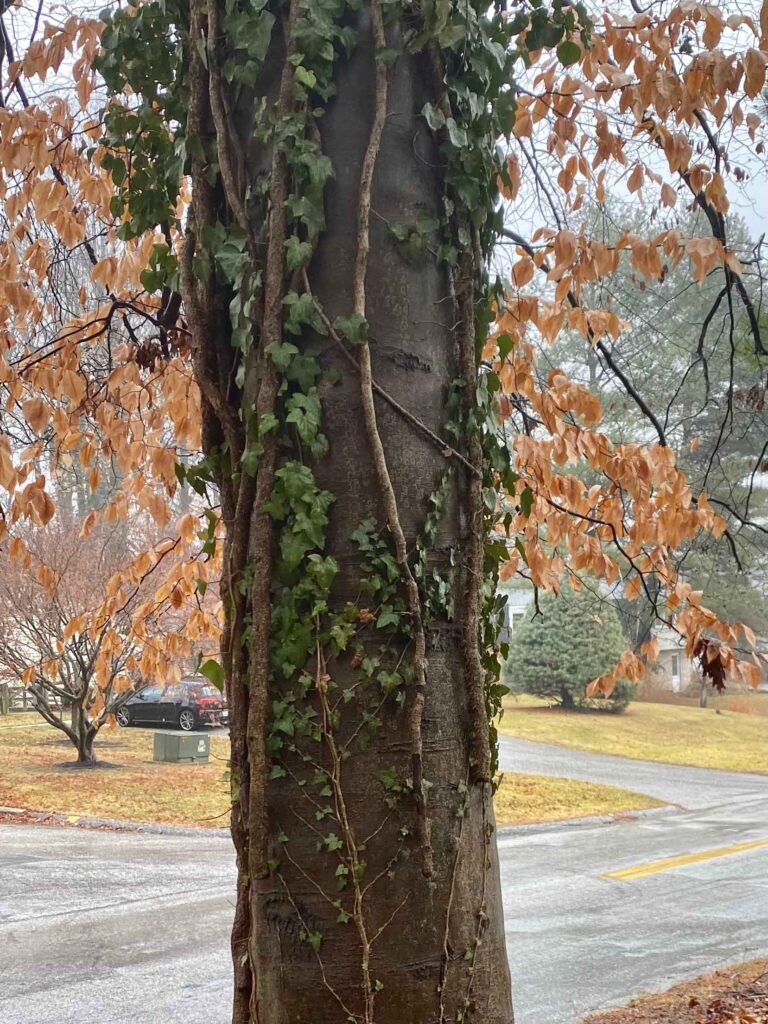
x,y
712,737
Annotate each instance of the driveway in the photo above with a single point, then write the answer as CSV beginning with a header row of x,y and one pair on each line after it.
x,y
675,784
110,928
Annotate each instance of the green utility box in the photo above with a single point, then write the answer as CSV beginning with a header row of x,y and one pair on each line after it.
x,y
182,747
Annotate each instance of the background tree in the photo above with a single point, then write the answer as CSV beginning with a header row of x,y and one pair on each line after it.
x,y
81,623
77,679
700,378
561,647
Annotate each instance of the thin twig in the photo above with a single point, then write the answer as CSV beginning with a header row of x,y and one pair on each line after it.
x,y
447,450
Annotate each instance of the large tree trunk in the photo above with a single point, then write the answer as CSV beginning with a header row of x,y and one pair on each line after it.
x,y
364,894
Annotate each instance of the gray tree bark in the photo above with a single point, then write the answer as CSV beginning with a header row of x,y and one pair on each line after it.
x,y
420,938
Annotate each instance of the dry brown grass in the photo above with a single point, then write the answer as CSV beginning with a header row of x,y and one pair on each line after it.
x,y
137,788
743,701
741,705
522,799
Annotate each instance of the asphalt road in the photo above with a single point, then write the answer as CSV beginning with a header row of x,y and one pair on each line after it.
x,y
689,787
579,941
108,928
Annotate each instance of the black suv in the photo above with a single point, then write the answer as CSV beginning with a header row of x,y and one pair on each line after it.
x,y
187,704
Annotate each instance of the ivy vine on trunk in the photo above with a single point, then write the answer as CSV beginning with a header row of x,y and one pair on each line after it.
x,y
334,280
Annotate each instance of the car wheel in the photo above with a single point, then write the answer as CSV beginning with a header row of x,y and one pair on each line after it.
x,y
123,717
186,720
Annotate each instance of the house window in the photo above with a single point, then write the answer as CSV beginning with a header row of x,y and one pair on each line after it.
x,y
675,666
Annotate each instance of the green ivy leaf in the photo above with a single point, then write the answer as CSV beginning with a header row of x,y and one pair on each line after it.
x,y
354,328
302,312
251,32
305,76
456,134
543,32
267,422
451,35
286,724
505,344
297,253
389,682
250,459
506,110
434,117
233,260
282,353
387,617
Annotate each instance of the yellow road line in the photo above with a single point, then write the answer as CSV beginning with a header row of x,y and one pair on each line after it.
x,y
653,867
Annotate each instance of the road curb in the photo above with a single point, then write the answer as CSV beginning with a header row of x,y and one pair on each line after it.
x,y
510,831
112,824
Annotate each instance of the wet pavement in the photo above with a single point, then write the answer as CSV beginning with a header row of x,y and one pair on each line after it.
x,y
579,941
116,928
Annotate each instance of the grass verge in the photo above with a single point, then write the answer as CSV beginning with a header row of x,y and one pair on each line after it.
x,y
733,995
701,737
523,799
136,788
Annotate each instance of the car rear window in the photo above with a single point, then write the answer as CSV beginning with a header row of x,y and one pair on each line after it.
x,y
205,691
